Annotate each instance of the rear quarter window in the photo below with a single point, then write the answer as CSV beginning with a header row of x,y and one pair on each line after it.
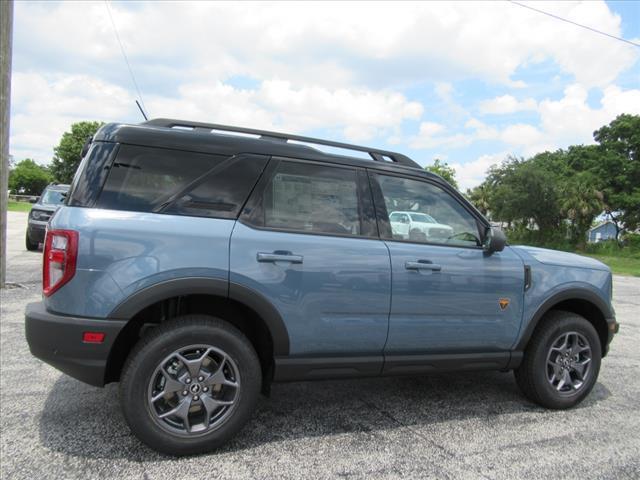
x,y
148,179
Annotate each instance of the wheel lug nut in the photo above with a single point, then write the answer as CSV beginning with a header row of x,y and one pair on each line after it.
x,y
200,378
185,393
188,380
196,398
205,389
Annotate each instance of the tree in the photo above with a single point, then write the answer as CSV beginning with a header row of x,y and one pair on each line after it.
x,y
480,196
67,154
444,170
619,168
581,203
29,178
525,190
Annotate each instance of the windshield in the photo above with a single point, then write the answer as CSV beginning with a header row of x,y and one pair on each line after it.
x,y
422,217
53,197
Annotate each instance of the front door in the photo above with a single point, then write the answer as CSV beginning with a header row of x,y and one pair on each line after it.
x,y
448,295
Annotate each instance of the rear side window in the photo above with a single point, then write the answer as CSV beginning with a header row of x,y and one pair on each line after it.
x,y
312,198
147,179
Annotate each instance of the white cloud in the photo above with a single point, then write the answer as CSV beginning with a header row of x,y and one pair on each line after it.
x,y
317,66
429,129
358,114
507,104
569,120
572,120
45,107
432,135
473,173
341,43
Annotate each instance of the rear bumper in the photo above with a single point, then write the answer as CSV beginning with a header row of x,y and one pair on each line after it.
x,y
57,340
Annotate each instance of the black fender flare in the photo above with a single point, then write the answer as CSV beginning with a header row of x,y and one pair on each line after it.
x,y
548,304
209,286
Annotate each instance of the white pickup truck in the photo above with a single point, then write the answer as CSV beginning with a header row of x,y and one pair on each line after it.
x,y
418,226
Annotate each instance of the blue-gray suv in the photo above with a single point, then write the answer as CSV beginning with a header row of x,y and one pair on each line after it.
x,y
197,263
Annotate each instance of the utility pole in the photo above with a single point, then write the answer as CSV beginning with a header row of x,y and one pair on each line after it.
x,y
6,37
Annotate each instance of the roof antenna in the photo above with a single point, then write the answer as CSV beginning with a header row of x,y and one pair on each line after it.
x,y
142,111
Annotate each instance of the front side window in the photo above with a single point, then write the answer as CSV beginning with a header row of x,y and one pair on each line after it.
x,y
425,213
312,198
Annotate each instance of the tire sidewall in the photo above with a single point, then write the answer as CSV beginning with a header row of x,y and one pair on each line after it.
x,y
549,396
134,387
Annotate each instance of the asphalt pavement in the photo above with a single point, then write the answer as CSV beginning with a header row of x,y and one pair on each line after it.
x,y
457,426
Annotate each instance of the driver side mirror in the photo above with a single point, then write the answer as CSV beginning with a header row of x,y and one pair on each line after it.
x,y
495,240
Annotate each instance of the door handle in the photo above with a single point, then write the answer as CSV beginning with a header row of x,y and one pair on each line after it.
x,y
279,257
422,265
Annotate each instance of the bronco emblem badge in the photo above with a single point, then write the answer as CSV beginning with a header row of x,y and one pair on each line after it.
x,y
504,303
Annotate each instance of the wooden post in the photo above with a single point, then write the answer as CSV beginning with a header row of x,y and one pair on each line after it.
x,y
6,37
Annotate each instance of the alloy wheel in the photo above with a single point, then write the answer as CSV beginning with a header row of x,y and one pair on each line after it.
x,y
569,363
194,390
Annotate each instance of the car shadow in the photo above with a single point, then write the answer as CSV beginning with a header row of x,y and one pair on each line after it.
x,y
84,421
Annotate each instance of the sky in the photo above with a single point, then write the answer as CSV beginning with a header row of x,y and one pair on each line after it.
x,y
469,83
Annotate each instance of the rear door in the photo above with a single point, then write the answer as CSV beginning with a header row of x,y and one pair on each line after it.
x,y
448,295
307,241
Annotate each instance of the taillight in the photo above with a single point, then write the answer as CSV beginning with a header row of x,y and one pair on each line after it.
x,y
58,259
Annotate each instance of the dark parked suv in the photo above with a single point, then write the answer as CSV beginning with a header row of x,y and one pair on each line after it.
x,y
195,266
52,197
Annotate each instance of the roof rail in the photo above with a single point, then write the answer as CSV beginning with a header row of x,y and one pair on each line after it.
x,y
376,154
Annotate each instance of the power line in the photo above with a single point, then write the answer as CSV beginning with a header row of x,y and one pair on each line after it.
x,y
124,54
575,23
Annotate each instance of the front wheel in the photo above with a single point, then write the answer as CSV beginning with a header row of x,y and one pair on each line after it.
x,y
190,385
31,246
561,362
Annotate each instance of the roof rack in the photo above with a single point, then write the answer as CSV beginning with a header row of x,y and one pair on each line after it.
x,y
376,154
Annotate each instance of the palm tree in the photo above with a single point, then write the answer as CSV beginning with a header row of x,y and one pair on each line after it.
x,y
581,203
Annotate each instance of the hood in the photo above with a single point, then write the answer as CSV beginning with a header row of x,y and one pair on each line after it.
x,y
437,225
562,259
46,208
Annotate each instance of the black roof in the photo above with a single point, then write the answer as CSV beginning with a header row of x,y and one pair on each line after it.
x,y
212,138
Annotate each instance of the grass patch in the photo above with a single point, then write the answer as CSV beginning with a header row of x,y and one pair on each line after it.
x,y
18,206
619,265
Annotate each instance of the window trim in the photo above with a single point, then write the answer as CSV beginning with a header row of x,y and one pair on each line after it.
x,y
382,215
252,210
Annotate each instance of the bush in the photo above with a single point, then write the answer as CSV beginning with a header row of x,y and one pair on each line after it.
x,y
632,241
555,239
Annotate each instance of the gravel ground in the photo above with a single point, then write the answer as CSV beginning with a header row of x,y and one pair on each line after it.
x,y
448,426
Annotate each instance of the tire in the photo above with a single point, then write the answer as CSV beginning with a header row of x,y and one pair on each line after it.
x,y
228,358
417,235
31,246
548,358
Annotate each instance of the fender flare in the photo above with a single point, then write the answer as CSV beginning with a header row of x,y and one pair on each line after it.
x,y
548,304
248,297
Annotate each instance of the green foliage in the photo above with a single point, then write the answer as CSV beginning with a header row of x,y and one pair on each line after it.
x,y
18,206
444,170
632,241
67,154
28,178
480,197
620,166
552,198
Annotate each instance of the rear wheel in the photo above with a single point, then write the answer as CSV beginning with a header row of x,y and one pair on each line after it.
x,y
31,246
190,385
561,362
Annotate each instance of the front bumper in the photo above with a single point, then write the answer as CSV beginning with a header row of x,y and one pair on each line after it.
x,y
36,231
613,327
57,340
